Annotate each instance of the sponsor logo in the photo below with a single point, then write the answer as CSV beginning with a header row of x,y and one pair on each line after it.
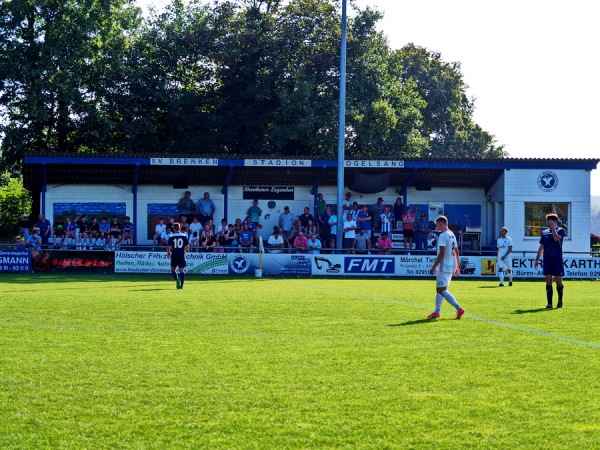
x,y
370,265
240,264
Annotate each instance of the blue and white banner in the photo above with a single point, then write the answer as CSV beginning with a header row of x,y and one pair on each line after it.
x,y
15,261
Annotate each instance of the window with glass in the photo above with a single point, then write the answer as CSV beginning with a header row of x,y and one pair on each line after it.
x,y
535,217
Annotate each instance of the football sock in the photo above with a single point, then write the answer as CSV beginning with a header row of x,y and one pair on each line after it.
x,y
174,274
559,289
510,276
450,298
549,294
501,276
438,303
182,277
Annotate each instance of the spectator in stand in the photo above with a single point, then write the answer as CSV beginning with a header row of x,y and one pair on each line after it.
x,y
70,232
83,226
194,241
286,221
349,232
186,205
384,244
237,226
196,226
104,231
207,238
275,242
230,238
354,211
321,205
310,228
115,232
45,228
306,217
422,231
324,226
206,208
25,227
128,230
18,244
94,231
376,212
246,240
362,244
347,204
254,212
164,238
34,241
221,230
184,225
289,241
314,244
253,228
408,226
159,228
387,220
333,229
398,212
364,221
300,242
59,233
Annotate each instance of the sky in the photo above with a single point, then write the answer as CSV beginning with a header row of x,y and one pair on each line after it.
x,y
532,66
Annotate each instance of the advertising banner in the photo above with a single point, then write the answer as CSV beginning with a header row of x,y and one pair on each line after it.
x,y
279,264
358,265
159,262
15,261
73,261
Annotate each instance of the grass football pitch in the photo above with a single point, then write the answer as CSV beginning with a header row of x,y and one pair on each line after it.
x,y
247,363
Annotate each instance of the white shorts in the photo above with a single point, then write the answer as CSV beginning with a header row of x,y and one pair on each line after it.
x,y
442,279
506,263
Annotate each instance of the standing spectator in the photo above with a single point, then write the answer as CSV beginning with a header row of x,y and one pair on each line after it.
x,y
186,206
275,241
206,208
444,265
177,246
387,220
289,241
551,247
364,221
25,227
321,204
324,227
504,248
347,204
128,230
45,228
398,211
286,221
306,217
354,211
422,231
384,244
254,212
408,226
300,242
349,231
310,228
362,244
376,212
314,244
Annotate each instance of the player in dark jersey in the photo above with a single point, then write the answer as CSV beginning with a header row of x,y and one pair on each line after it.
x,y
176,248
551,247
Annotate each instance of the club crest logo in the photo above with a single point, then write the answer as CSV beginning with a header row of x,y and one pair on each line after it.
x,y
240,264
547,181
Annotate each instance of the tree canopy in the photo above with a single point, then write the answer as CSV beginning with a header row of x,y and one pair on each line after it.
x,y
252,77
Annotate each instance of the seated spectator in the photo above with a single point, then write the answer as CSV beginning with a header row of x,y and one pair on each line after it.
x,y
310,228
196,226
230,238
70,232
194,241
314,244
94,231
384,243
164,237
59,233
362,244
83,230
104,231
115,231
350,227
19,244
292,233
25,226
246,240
275,242
300,242
207,238
34,241
159,229
127,231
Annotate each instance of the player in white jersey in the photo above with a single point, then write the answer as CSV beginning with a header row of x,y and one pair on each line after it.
x,y
445,264
503,256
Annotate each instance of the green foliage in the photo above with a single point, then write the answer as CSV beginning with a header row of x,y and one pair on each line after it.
x,y
233,77
131,362
14,202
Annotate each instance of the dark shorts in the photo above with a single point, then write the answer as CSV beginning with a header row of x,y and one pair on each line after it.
x,y
178,261
408,233
553,265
